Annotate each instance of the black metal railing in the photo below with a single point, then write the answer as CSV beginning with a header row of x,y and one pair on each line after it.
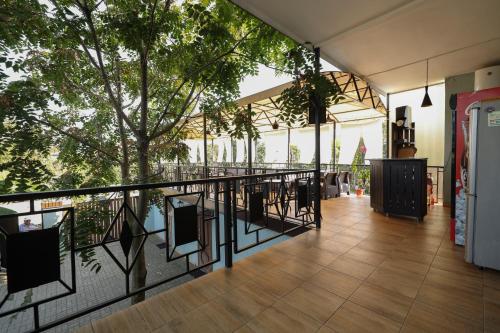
x,y
357,172
95,236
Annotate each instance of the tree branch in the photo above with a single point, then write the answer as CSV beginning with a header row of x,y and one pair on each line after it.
x,y
78,139
90,23
197,72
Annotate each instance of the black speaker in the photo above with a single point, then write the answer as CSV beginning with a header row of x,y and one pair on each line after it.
x,y
312,112
403,116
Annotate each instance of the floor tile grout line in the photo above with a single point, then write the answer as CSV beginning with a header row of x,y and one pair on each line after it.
x,y
348,299
423,280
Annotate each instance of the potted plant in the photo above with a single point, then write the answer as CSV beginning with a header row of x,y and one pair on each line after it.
x,y
362,181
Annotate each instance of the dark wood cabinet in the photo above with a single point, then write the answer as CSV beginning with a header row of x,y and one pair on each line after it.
x,y
398,186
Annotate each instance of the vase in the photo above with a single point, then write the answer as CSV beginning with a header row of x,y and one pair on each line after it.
x,y
360,192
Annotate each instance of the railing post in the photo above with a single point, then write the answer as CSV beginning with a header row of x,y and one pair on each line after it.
x,y
317,188
227,225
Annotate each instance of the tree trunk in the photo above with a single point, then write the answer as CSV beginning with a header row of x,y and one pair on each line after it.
x,y
139,271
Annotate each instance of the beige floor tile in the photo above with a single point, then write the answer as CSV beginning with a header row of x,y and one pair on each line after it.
x,y
491,278
318,256
222,316
128,320
347,239
397,280
195,321
411,255
224,279
244,329
184,298
491,317
156,312
325,329
277,282
283,318
335,246
464,304
361,234
491,309
407,265
357,319
452,280
317,302
385,302
245,302
425,318
366,256
338,283
457,266
357,269
300,268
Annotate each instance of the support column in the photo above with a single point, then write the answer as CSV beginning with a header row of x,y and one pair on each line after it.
x,y
249,153
317,188
288,151
387,148
334,146
228,247
213,155
178,171
205,154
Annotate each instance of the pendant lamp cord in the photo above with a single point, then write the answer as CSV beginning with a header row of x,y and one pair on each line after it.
x,y
427,75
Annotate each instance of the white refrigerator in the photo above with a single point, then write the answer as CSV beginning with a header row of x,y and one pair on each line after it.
x,y
482,242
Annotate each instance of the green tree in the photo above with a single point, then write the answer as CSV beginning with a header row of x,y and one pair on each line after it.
x,y
198,155
260,152
224,154
234,151
295,154
245,154
213,153
111,84
361,173
335,152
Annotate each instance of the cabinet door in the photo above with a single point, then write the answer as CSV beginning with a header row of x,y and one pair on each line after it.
x,y
377,185
404,187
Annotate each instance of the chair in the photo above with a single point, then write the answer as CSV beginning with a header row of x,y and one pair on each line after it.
x,y
11,226
331,185
345,182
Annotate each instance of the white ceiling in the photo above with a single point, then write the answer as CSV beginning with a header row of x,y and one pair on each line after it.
x,y
387,42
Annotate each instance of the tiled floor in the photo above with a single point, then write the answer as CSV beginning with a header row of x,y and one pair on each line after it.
x,y
362,272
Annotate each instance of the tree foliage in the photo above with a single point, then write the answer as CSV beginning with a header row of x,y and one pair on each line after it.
x,y
224,154
294,154
260,152
111,83
309,86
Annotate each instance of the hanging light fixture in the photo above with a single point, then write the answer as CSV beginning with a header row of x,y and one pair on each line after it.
x,y
426,102
275,125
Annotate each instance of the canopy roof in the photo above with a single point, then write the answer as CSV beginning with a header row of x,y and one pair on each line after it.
x,y
360,103
388,42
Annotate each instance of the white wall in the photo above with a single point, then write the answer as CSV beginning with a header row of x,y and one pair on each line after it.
x,y
429,122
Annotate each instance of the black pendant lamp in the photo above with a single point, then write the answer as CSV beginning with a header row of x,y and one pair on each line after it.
x,y
426,102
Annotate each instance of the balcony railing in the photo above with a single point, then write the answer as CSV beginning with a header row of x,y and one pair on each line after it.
x,y
87,249
175,172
